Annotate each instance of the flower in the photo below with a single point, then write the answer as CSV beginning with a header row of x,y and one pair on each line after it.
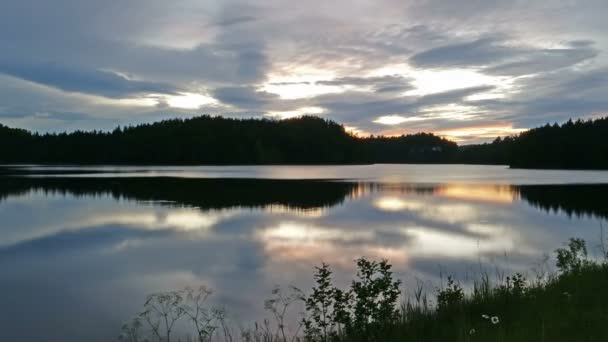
x,y
472,331
484,316
494,320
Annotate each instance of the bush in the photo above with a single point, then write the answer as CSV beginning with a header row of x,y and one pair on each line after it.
x,y
450,296
574,258
368,307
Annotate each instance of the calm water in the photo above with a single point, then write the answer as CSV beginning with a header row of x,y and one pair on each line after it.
x,y
81,247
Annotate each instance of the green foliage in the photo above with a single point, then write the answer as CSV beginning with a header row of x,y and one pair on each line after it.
x,y
515,285
367,308
322,315
573,258
450,296
570,306
375,295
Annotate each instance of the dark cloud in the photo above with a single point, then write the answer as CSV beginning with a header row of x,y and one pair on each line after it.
x,y
496,55
244,97
544,60
393,88
477,53
555,97
381,84
81,80
134,37
236,20
288,83
452,96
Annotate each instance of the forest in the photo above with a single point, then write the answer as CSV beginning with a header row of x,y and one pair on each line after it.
x,y
303,140
580,144
221,141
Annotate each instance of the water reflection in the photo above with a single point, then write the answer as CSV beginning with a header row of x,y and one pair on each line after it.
x,y
89,249
479,192
311,197
201,193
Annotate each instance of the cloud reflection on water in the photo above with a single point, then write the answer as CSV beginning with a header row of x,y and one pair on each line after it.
x,y
82,243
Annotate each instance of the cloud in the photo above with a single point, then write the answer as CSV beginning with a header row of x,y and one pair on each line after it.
x,y
362,108
244,97
90,56
236,20
452,96
381,84
62,116
496,55
544,60
81,80
477,53
555,97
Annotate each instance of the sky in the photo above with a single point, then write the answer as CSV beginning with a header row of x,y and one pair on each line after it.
x,y
467,70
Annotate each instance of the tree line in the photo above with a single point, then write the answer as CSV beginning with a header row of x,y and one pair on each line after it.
x,y
581,144
304,140
219,140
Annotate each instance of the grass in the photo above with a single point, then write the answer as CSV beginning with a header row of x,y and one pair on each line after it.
x,y
570,305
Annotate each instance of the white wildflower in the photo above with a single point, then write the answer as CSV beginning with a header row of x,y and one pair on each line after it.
x,y
495,320
484,316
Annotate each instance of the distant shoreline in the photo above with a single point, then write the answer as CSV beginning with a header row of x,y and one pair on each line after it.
x,y
307,140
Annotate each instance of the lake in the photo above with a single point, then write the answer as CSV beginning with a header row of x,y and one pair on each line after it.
x,y
81,247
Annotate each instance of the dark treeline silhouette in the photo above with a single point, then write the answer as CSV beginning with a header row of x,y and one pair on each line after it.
x,y
574,200
581,144
218,140
304,140
225,193
204,194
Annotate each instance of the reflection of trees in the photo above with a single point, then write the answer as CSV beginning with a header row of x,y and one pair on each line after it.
x,y
578,200
573,199
299,194
200,193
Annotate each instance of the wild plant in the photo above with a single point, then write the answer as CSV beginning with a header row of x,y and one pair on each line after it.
x,y
278,306
573,258
203,319
369,305
449,296
320,322
515,285
375,295
131,331
161,311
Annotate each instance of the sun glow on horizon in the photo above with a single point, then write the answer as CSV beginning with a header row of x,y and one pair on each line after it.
x,y
481,131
